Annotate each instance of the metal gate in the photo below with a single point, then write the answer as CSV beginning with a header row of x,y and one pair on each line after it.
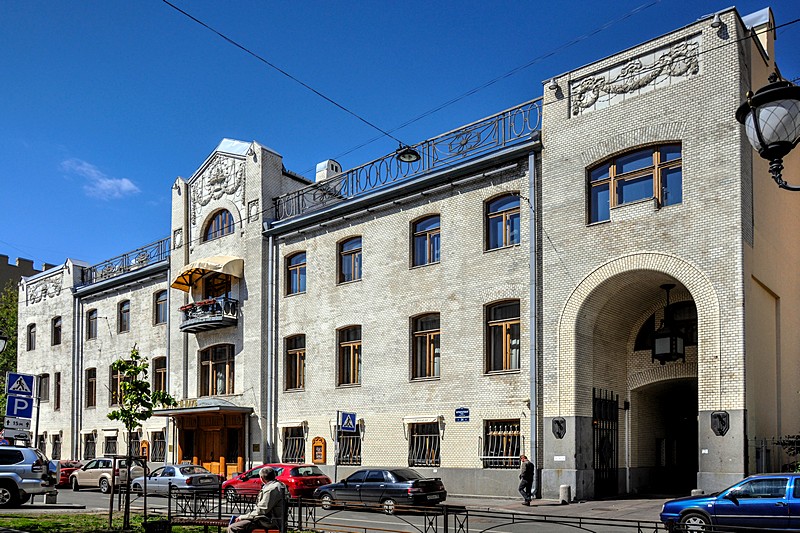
x,y
605,417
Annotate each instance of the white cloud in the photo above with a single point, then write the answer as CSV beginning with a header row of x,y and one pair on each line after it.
x,y
99,185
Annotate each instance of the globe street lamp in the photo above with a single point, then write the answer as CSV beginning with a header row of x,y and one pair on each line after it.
x,y
771,118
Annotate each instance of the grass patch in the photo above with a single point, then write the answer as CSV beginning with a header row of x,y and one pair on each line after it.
x,y
78,523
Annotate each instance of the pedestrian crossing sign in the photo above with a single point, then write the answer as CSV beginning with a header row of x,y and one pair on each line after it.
x,y
19,384
348,422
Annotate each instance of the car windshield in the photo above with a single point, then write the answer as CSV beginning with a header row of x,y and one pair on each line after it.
x,y
301,471
193,469
405,474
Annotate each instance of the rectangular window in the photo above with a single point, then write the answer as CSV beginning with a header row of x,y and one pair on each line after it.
x,y
502,443
135,446
110,446
44,388
426,352
41,444
161,307
91,324
217,286
57,391
294,445
91,387
158,450
124,317
56,454
160,374
349,446
503,337
295,362
31,337
424,444
115,387
89,451
654,172
216,370
55,333
349,356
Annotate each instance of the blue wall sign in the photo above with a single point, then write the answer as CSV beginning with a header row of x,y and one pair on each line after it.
x,y
462,414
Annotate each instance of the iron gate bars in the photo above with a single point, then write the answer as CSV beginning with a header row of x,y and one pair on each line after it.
x,y
507,128
605,417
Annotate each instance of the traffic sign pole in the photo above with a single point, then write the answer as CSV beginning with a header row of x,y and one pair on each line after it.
x,y
38,408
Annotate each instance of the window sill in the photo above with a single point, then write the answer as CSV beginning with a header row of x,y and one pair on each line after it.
x,y
348,385
290,294
425,379
294,390
348,282
516,245
502,372
414,267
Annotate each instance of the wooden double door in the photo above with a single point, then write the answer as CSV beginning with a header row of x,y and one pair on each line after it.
x,y
215,442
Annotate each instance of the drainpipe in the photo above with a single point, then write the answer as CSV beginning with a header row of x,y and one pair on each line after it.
x,y
268,404
76,407
168,419
534,339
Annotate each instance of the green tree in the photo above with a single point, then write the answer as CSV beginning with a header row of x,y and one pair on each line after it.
x,y
136,405
8,327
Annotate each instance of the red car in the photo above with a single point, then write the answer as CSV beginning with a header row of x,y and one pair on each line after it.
x,y
67,467
301,480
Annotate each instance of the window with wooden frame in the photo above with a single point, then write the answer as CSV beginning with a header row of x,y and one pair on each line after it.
x,y
57,391
296,273
124,316
44,387
425,345
349,367
91,324
502,222
296,362
350,260
55,331
91,387
216,370
652,172
160,308
221,224
31,337
160,374
114,387
217,286
425,241
503,336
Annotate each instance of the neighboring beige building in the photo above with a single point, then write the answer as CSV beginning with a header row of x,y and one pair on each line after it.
x,y
503,295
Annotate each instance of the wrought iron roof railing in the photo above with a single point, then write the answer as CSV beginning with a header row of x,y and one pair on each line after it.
x,y
507,128
127,262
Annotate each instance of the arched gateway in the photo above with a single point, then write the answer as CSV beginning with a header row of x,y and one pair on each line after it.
x,y
629,419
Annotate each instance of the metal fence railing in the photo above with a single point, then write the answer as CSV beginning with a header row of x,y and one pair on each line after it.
x,y
774,454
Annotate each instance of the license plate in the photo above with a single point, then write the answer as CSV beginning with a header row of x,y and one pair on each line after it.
x,y
204,480
433,496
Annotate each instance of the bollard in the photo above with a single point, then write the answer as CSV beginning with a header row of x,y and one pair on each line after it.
x,y
564,494
51,498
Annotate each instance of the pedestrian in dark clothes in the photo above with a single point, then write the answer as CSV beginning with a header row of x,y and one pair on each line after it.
x,y
525,479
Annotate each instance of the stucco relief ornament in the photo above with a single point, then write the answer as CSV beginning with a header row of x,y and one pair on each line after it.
x,y
45,288
223,177
679,60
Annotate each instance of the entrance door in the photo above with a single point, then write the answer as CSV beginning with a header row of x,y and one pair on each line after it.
x,y
605,418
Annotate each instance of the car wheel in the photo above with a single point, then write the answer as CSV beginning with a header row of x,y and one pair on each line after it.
x,y
105,486
74,483
326,500
389,505
137,489
9,495
230,494
24,499
695,522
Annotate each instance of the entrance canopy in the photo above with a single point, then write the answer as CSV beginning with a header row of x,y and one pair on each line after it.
x,y
221,264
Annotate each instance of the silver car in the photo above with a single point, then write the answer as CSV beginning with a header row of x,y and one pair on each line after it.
x,y
184,477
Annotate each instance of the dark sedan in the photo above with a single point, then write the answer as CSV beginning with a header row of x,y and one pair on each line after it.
x,y
386,487
763,501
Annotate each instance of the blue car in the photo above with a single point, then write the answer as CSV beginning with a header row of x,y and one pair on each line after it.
x,y
761,501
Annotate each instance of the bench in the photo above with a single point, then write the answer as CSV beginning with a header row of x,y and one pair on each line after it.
x,y
213,522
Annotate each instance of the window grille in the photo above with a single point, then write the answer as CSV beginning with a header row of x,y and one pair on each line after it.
x,y
294,445
424,443
42,444
158,448
350,447
110,446
89,447
502,444
135,445
56,447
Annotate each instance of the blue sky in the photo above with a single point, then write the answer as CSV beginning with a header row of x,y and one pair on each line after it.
x,y
104,103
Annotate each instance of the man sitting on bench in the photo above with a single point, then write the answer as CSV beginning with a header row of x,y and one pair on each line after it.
x,y
269,510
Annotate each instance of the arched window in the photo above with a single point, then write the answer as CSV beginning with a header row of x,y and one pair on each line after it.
x,y
124,316
503,336
31,337
502,222
220,224
160,307
653,172
350,260
426,241
296,273
91,324
425,342
55,331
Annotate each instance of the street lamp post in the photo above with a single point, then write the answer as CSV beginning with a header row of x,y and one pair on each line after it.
x,y
771,118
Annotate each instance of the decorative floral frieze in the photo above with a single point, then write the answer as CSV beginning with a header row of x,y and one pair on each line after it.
x,y
49,287
223,177
662,67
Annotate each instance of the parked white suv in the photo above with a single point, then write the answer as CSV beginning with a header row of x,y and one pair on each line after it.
x,y
23,473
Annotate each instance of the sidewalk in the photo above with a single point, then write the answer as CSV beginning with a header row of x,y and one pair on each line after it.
x,y
644,509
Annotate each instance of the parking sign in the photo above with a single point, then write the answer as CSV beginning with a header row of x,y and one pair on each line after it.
x,y
19,407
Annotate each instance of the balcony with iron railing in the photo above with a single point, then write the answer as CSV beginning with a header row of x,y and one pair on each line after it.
x,y
139,258
214,313
508,128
